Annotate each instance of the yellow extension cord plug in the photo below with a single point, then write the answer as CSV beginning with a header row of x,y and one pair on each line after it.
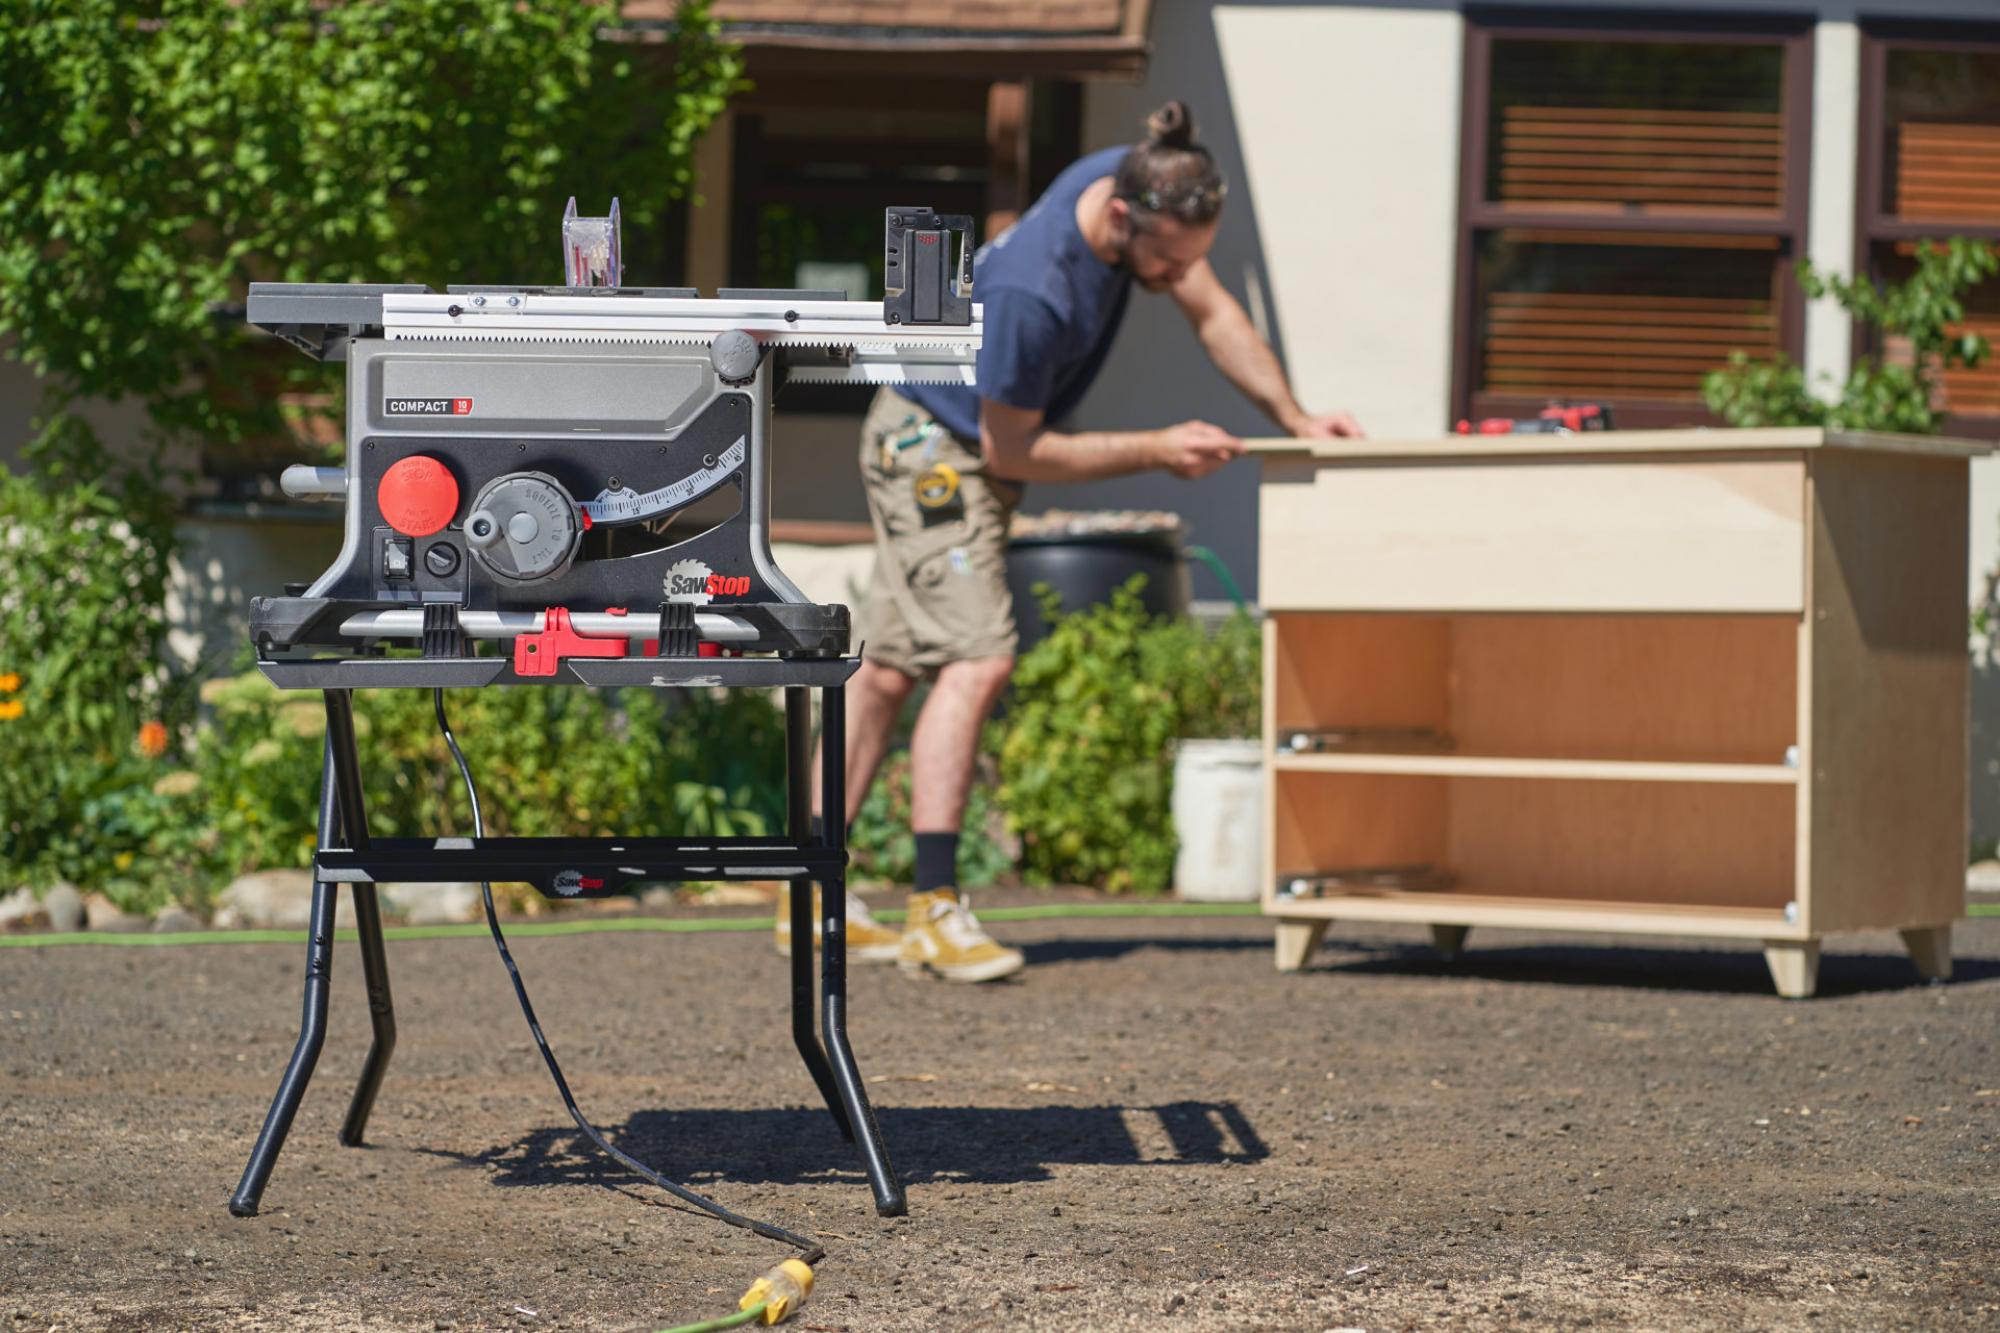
x,y
781,1291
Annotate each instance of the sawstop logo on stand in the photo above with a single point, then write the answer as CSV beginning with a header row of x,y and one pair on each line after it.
x,y
571,882
692,581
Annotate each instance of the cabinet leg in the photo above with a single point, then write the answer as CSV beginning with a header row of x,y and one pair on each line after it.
x,y
1930,950
1794,967
1296,942
1449,941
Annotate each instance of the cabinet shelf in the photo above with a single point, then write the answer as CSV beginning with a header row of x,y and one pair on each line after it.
x,y
1466,906
1513,766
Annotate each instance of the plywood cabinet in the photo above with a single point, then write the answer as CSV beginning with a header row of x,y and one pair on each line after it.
x,y
1690,683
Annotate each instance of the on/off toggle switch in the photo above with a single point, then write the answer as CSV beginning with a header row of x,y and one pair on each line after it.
x,y
417,495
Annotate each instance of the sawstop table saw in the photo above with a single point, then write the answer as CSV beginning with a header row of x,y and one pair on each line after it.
x,y
517,458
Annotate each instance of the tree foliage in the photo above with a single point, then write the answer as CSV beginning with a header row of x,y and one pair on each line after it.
x,y
1899,394
1087,750
155,158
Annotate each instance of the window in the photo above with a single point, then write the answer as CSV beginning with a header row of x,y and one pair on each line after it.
x,y
1633,201
812,184
1930,168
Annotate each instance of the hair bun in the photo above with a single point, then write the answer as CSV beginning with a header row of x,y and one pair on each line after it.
x,y
1172,126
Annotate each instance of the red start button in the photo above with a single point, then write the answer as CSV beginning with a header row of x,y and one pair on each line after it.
x,y
417,495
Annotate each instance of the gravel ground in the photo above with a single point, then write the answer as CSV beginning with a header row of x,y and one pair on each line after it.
x,y
1151,1130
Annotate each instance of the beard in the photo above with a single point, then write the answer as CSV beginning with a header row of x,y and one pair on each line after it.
x,y
1123,264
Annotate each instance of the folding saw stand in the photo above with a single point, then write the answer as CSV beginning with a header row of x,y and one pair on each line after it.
x,y
516,457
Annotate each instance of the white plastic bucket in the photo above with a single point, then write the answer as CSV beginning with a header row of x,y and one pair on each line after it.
x,y
1219,818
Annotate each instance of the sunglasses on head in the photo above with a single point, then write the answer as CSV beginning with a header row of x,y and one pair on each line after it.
x,y
1178,199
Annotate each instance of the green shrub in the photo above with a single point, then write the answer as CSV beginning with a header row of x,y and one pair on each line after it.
x,y
1086,753
884,848
1879,394
85,709
548,761
149,844
725,763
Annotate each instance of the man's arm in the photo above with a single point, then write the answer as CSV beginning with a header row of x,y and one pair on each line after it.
x,y
1232,343
1018,446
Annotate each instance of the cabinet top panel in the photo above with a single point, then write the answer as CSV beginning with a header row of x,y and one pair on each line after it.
x,y
1614,444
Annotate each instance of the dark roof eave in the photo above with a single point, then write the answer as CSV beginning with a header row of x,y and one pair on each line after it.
x,y
933,51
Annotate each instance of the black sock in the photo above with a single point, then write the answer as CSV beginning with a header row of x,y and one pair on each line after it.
x,y
818,828
937,861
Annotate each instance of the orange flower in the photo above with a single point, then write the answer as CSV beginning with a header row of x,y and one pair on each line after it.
x,y
9,682
153,739
11,709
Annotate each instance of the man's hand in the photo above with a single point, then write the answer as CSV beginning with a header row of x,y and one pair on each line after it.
x,y
1194,449
1332,426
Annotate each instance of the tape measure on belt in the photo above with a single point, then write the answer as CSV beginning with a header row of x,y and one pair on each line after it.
x,y
937,485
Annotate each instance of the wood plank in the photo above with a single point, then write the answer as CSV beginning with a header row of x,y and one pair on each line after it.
x,y
1551,535
1359,671
1520,336
1611,444
1594,170
1474,908
1538,388
1647,158
1644,115
1521,376
1324,820
1888,751
1617,355
1618,300
1949,131
1629,687
1581,234
1574,770
1689,844
1268,726
1652,391
1663,318
1666,194
1592,131
1628,144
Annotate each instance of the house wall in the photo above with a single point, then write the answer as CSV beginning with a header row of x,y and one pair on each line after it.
x,y
1337,240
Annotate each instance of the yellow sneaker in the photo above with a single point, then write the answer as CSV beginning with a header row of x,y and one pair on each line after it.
x,y
943,937
868,940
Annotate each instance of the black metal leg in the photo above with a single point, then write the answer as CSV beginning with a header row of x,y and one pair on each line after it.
x,y
890,1201
381,1012
312,1024
367,918
798,807
346,768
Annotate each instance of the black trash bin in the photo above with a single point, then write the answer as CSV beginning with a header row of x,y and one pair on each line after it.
x,y
1086,558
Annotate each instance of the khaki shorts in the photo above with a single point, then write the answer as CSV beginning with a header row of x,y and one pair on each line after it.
x,y
939,592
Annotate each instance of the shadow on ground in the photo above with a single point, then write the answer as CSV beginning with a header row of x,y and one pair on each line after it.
x,y
1723,971
1042,952
929,1144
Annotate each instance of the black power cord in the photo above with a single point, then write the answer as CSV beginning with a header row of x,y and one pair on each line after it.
x,y
812,1251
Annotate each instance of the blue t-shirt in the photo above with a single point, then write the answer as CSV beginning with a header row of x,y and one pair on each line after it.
x,y
1051,310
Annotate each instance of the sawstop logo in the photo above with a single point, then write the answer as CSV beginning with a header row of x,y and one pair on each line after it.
x,y
569,883
692,581
427,407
